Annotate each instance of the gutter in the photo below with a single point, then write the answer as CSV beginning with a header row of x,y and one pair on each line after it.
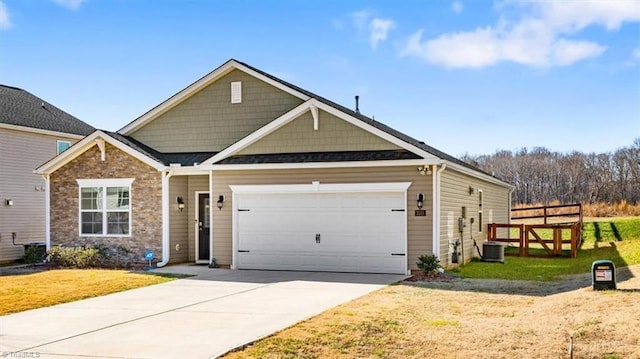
x,y
166,175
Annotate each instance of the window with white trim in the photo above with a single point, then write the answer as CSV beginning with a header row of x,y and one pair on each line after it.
x,y
61,146
480,210
105,207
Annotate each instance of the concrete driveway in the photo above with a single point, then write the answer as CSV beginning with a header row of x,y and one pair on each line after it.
x,y
199,317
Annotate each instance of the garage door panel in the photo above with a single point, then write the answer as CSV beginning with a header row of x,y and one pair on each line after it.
x,y
358,232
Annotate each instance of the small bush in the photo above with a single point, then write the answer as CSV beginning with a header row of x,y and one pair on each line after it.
x,y
428,263
75,257
33,255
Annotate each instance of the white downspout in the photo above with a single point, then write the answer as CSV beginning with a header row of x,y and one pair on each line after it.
x,y
165,218
47,213
436,213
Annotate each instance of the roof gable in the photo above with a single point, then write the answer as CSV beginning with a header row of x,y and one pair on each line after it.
x,y
313,106
98,138
21,108
325,133
203,82
208,120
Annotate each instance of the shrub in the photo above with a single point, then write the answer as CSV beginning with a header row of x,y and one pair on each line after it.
x,y
34,254
428,263
75,257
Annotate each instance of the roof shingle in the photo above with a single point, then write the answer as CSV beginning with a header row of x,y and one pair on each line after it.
x,y
21,108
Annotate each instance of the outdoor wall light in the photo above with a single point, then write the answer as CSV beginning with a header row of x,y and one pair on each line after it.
x,y
424,170
471,190
8,202
180,202
220,201
420,201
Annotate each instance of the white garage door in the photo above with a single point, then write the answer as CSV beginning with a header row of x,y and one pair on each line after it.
x,y
338,232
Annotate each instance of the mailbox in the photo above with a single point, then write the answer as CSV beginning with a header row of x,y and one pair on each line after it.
x,y
603,275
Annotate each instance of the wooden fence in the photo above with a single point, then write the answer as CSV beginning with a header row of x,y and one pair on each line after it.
x,y
553,238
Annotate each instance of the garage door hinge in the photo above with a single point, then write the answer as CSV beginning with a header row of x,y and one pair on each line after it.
x,y
243,210
243,251
397,254
397,210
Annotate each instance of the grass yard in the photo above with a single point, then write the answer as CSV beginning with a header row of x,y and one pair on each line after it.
x,y
616,239
38,289
491,317
469,318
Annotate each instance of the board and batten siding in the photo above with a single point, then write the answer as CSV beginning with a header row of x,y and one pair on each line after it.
x,y
178,220
419,229
207,121
21,152
454,195
333,134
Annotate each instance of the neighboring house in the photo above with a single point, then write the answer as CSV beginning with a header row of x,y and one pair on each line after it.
x,y
32,131
257,173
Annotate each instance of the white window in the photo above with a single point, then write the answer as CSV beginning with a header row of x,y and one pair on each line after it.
x,y
62,146
105,207
480,210
236,92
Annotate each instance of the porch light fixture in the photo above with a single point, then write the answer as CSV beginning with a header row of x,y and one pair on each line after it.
x,y
424,170
420,201
8,202
471,190
180,202
220,201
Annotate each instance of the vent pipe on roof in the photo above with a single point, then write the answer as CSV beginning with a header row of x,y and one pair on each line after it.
x,y
357,104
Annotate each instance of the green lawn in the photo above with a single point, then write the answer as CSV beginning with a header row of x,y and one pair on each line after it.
x,y
617,240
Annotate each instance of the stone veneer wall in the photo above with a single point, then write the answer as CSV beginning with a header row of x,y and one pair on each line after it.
x,y
146,201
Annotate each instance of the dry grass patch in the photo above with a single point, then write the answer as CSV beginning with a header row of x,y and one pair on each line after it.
x,y
36,289
470,318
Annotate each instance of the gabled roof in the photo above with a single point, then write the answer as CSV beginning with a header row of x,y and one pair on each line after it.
x,y
21,108
96,139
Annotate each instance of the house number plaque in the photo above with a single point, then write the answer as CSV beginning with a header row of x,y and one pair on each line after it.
x,y
420,212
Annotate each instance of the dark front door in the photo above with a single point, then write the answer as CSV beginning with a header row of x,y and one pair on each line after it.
x,y
204,227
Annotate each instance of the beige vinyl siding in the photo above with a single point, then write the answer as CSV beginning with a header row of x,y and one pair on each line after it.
x,y
419,229
454,195
178,231
208,121
333,134
21,152
195,184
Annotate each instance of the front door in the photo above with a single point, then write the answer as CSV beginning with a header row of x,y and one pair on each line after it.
x,y
204,227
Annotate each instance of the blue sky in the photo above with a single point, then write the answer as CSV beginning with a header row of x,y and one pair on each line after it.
x,y
463,76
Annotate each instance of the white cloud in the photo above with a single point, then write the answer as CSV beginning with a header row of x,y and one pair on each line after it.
x,y
5,21
457,7
636,54
376,29
538,38
379,28
566,52
69,4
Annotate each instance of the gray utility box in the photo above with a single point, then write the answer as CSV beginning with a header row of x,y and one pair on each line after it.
x,y
493,251
603,275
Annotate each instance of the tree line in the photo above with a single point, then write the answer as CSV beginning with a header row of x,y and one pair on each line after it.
x,y
543,176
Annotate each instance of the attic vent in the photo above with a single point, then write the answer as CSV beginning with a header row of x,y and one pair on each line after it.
x,y
236,92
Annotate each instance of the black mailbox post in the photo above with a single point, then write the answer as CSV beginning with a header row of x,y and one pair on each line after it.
x,y
603,275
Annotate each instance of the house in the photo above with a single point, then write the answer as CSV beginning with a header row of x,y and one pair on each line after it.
x,y
253,172
32,131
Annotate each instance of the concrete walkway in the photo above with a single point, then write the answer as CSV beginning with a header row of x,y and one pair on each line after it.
x,y
199,317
